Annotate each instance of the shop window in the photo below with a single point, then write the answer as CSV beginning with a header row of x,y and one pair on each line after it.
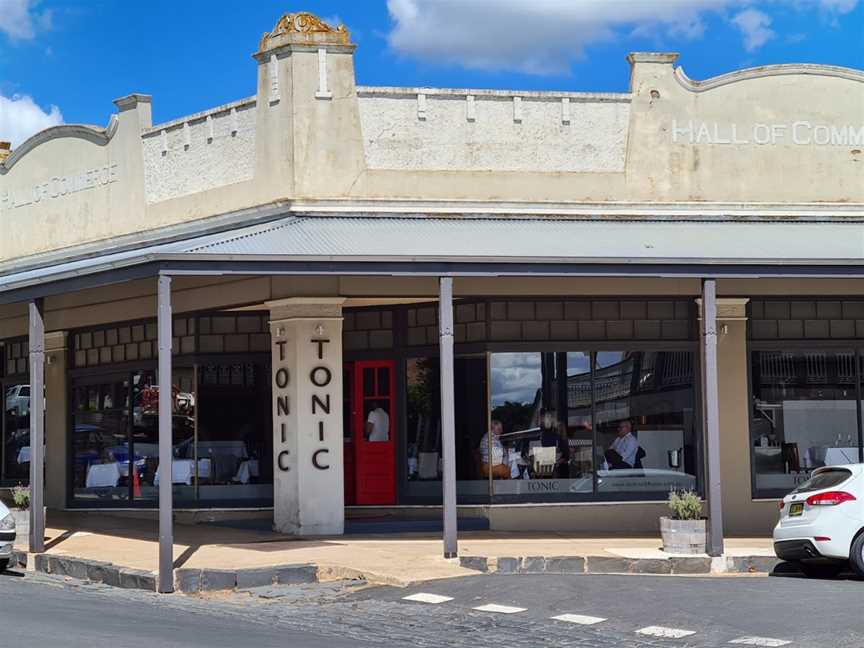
x,y
221,437
645,422
423,432
15,435
804,415
575,425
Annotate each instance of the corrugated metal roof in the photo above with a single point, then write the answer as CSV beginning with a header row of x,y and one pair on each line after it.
x,y
538,240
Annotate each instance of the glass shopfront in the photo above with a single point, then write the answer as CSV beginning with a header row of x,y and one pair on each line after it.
x,y
221,415
536,423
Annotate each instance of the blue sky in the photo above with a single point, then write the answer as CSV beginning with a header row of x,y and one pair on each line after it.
x,y
65,60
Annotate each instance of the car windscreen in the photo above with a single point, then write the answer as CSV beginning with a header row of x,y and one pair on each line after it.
x,y
824,479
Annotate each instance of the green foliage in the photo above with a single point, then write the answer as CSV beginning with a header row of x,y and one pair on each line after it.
x,y
21,497
685,505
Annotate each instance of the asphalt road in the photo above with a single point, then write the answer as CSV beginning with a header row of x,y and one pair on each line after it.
x,y
37,610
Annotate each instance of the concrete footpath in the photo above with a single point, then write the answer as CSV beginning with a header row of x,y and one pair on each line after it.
x,y
213,557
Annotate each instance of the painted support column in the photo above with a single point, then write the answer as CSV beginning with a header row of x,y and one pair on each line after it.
x,y
308,470
166,402
37,426
56,419
711,415
448,417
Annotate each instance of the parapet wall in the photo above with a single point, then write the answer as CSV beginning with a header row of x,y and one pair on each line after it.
x,y
426,129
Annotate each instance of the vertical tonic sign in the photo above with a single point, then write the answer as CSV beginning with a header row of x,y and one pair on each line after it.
x,y
281,380
320,376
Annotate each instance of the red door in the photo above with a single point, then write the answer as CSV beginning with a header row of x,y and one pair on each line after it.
x,y
374,432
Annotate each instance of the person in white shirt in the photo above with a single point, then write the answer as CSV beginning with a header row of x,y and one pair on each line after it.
x,y
623,450
500,470
378,424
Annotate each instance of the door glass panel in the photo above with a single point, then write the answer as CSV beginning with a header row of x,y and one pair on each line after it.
x,y
368,381
644,421
383,381
804,415
100,450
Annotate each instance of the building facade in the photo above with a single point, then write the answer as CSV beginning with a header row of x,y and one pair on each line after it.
x,y
300,238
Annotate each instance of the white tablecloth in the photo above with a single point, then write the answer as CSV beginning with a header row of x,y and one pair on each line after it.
x,y
246,470
183,471
817,455
103,475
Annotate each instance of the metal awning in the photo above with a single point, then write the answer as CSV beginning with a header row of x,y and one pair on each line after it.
x,y
320,244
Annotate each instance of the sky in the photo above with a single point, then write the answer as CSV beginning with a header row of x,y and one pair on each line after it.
x,y
64,61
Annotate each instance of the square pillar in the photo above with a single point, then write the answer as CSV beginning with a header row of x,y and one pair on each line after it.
x,y
37,425
56,419
308,477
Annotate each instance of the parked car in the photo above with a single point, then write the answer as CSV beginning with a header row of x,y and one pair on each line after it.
x,y
7,536
821,525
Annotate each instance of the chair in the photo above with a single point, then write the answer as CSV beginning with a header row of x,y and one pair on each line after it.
x,y
640,455
543,460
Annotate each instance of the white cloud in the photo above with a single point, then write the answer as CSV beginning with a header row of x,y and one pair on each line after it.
x,y
538,37
20,20
755,26
547,36
838,6
21,117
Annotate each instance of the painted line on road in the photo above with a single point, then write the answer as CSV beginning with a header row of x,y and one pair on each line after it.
x,y
422,597
760,641
499,609
581,619
665,633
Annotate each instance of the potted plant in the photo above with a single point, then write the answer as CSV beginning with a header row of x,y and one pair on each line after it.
x,y
684,531
21,512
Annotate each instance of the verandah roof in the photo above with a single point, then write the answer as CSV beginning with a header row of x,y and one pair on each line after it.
x,y
311,244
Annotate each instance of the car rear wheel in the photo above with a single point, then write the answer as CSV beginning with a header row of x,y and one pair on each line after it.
x,y
856,555
820,570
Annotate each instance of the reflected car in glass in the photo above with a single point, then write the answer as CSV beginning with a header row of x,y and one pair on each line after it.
x,y
821,526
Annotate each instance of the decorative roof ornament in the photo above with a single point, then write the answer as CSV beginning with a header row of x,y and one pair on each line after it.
x,y
303,27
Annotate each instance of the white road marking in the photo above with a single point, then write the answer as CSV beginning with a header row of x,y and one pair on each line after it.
x,y
499,609
760,641
581,619
665,633
422,597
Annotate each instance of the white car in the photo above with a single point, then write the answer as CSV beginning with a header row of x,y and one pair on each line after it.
x,y
821,525
7,536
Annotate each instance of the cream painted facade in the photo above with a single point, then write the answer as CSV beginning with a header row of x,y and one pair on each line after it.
x,y
774,147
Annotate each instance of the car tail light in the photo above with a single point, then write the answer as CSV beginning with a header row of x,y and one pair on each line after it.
x,y
831,498
782,504
822,539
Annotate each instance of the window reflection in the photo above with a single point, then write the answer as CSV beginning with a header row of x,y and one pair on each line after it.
x,y
644,419
221,431
556,416
540,435
16,434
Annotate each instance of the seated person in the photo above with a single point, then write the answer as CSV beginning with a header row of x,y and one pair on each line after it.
x,y
492,441
623,453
